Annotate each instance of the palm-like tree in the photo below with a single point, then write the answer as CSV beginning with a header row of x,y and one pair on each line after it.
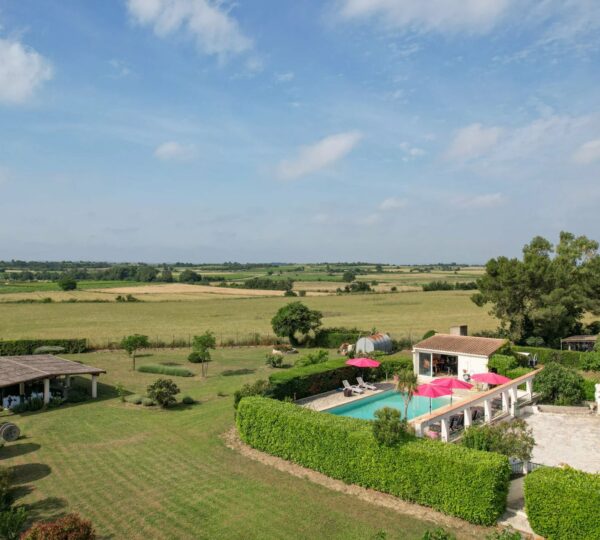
x,y
407,384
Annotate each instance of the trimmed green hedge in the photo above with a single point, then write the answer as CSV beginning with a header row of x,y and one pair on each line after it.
x,y
165,370
332,338
566,358
314,379
503,363
18,347
458,481
563,503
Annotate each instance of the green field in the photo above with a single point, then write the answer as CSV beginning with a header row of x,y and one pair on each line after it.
x,y
400,314
139,473
44,286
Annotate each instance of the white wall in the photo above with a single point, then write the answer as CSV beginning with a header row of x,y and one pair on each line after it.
x,y
473,364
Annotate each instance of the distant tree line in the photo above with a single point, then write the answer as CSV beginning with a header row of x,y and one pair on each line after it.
x,y
447,286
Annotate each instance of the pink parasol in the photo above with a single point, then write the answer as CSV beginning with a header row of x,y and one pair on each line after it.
x,y
363,362
490,378
431,391
451,382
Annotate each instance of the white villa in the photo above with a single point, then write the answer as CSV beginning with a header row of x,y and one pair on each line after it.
x,y
453,355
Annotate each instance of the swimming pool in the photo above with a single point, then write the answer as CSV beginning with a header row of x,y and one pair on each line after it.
x,y
365,408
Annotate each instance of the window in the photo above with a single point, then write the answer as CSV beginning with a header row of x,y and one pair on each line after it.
x,y
425,364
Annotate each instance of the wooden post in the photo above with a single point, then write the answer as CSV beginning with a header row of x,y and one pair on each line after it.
x,y
94,386
46,391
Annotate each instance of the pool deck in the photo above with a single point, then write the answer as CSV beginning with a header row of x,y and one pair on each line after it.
x,y
322,402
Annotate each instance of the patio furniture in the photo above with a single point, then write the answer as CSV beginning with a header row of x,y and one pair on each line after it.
x,y
354,389
363,384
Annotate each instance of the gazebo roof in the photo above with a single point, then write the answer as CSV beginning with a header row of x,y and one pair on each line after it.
x,y
27,368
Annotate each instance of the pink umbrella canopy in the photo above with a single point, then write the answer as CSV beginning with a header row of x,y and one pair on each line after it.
x,y
363,362
490,378
450,382
431,391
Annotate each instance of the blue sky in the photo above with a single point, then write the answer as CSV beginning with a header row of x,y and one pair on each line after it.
x,y
384,130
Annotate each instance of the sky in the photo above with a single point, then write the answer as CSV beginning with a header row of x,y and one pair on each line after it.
x,y
395,131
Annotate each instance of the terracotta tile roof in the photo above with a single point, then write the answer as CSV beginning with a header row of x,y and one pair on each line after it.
x,y
18,369
480,346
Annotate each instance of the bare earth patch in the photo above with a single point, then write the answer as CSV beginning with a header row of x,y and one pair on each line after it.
x,y
467,530
184,288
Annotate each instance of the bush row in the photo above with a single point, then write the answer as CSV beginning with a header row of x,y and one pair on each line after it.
x,y
332,338
18,347
563,503
455,480
165,370
299,382
566,358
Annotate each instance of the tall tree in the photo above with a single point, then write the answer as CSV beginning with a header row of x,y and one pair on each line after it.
x,y
132,344
547,293
295,318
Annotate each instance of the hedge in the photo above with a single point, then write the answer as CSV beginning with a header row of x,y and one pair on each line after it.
x,y
332,338
563,503
299,382
503,363
165,370
458,481
566,358
18,347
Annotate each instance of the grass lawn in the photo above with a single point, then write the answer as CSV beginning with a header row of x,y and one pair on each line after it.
x,y
401,314
142,473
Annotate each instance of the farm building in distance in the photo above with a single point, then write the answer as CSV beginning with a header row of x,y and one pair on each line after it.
x,y
375,342
579,343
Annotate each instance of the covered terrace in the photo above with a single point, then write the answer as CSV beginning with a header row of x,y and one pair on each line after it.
x,y
18,372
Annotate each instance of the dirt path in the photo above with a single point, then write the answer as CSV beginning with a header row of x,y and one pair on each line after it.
x,y
466,530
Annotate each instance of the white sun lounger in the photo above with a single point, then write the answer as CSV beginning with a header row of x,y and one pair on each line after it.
x,y
355,389
363,384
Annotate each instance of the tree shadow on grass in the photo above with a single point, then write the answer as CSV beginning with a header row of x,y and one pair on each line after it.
x,y
47,509
170,364
18,449
234,372
29,472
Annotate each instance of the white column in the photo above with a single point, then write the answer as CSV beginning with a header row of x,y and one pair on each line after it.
x,y
487,410
419,430
468,417
505,401
445,434
94,386
529,388
22,389
512,392
68,381
46,390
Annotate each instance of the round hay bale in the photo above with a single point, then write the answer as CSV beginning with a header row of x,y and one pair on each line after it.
x,y
9,432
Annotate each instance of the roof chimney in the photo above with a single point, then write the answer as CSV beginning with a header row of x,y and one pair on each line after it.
x,y
462,330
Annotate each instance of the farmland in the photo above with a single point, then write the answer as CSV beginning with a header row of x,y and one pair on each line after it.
x,y
138,472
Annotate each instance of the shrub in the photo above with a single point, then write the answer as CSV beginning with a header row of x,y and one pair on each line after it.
x,y
333,337
438,533
517,372
429,333
504,534
317,357
566,358
388,428
559,385
590,361
165,370
70,527
512,439
563,503
188,400
469,484
147,402
589,390
12,522
258,388
67,283
196,357
502,363
136,399
20,347
274,360
163,392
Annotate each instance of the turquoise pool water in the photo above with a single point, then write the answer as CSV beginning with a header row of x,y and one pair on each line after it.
x,y
365,408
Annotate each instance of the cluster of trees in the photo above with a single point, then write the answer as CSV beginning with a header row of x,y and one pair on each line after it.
x,y
355,287
269,284
296,322
447,286
545,294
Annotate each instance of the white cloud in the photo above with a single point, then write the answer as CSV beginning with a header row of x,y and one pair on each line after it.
x,y
315,157
587,153
411,152
120,68
285,77
22,71
174,151
208,22
393,203
477,16
473,141
488,200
